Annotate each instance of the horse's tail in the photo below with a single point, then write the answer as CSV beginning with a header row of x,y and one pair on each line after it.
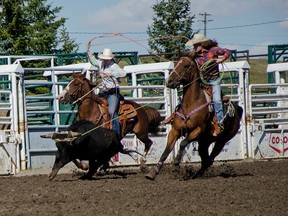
x,y
153,116
154,119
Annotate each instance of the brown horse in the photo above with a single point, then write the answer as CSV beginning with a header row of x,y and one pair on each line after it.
x,y
81,91
194,119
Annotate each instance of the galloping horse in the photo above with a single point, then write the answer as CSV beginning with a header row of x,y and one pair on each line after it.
x,y
81,91
193,118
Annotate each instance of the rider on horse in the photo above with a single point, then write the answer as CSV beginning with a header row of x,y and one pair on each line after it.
x,y
206,56
109,71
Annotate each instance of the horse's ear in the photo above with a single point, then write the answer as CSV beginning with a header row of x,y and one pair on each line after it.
x,y
82,75
76,75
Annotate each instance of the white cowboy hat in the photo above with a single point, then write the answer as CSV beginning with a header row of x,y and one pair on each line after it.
x,y
197,38
106,55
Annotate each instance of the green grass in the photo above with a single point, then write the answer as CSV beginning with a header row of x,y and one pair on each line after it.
x,y
258,74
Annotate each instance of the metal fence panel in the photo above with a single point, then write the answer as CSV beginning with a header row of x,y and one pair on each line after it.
x,y
11,115
269,120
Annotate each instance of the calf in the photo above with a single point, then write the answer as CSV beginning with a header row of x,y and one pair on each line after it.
x,y
88,143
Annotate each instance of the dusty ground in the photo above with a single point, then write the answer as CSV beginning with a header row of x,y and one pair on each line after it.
x,y
233,188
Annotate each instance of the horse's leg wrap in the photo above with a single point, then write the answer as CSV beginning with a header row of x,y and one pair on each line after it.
x,y
154,172
143,166
158,167
179,155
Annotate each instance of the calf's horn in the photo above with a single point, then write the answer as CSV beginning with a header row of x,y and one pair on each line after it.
x,y
49,135
74,134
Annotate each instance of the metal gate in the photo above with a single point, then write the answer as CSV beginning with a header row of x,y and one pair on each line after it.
x,y
12,138
45,114
268,115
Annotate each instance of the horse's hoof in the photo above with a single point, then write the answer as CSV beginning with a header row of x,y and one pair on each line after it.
x,y
86,177
143,166
199,173
50,177
176,168
84,166
151,175
194,176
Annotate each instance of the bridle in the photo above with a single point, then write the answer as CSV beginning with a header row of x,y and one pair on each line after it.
x,y
78,88
178,63
188,69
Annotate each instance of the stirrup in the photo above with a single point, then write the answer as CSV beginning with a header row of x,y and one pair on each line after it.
x,y
221,127
218,129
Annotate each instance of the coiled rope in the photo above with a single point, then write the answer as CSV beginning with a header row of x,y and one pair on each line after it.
x,y
206,67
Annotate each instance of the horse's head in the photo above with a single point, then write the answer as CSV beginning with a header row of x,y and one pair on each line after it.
x,y
183,72
74,89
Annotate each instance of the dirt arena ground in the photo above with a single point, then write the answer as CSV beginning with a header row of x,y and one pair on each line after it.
x,y
231,188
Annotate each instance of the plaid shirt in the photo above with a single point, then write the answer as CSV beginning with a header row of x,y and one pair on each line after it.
x,y
211,54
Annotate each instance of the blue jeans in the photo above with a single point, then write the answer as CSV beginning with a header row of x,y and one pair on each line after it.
x,y
217,100
113,101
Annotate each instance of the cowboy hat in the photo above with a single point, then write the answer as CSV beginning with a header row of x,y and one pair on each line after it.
x,y
197,38
106,54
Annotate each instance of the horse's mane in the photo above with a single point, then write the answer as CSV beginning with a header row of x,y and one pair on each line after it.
x,y
82,77
92,84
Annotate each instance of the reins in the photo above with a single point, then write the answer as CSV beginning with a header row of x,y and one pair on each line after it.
x,y
79,87
174,71
81,98
184,116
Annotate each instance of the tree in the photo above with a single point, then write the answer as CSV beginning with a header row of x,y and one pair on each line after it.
x,y
12,31
31,27
171,18
68,45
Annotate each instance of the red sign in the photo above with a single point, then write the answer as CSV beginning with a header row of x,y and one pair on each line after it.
x,y
115,158
276,143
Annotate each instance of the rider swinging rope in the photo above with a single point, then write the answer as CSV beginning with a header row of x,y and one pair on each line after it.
x,y
198,126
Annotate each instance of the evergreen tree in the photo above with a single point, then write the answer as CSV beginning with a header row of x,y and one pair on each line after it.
x,y
13,25
68,45
30,27
171,18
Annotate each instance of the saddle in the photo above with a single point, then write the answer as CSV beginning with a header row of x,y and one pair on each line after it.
x,y
103,106
126,113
